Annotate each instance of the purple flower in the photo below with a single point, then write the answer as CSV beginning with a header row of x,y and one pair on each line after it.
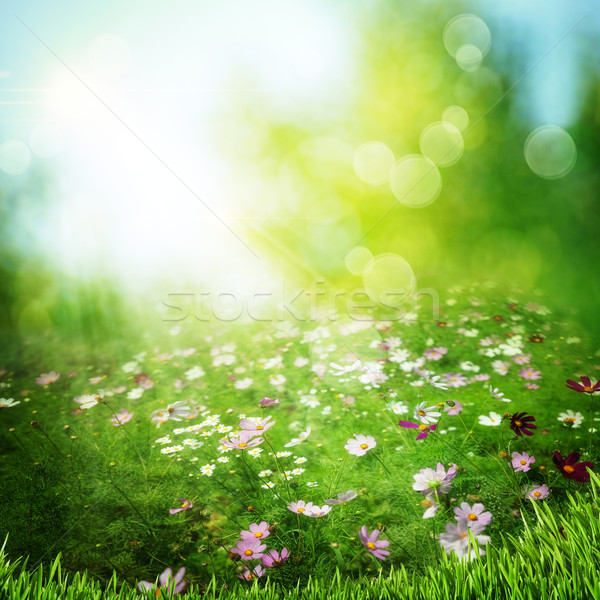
x,y
268,402
473,514
248,575
185,505
423,429
257,531
456,539
342,498
166,582
428,481
249,549
274,558
536,492
372,544
522,462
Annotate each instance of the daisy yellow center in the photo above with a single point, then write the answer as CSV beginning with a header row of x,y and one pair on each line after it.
x,y
301,510
472,517
259,427
364,446
371,545
568,469
258,534
422,427
570,420
171,410
422,413
242,445
537,494
523,462
519,423
185,505
248,552
588,389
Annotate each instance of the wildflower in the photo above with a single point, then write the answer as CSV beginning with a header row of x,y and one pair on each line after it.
x,y
522,359
268,402
571,468
178,411
423,429
522,462
536,338
89,400
194,373
47,378
342,498
299,439
312,484
265,473
425,414
248,575
571,419
277,380
398,407
585,386
163,440
433,380
185,505
166,583
208,470
268,485
318,511
453,409
431,505
493,420
121,418
135,393
531,386
429,481
498,395
456,539
300,507
257,531
8,402
455,380
242,441
500,367
372,544
530,373
360,445
473,514
171,449
536,492
435,353
249,549
274,558
256,427
520,423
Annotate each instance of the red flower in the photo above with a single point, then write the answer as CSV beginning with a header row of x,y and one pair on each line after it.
x,y
585,385
570,468
520,424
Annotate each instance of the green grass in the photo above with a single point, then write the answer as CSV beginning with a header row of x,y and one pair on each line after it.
x,y
541,564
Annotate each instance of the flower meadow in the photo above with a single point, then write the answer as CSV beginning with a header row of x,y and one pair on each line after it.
x,y
290,450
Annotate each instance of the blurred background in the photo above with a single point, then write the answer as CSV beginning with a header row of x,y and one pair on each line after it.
x,y
261,148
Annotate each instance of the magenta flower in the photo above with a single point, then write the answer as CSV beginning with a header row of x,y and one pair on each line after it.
x,y
274,558
372,544
249,549
248,575
243,441
530,373
423,429
185,505
121,418
454,410
256,428
536,492
585,386
166,583
473,514
300,507
522,462
47,378
257,531
268,402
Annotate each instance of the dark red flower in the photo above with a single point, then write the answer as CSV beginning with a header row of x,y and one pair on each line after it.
x,y
585,385
520,423
570,468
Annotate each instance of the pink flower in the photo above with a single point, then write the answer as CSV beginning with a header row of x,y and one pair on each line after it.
x,y
268,402
300,507
372,544
456,539
243,441
530,373
274,558
47,378
522,359
144,381
435,353
167,583
256,428
428,481
473,514
453,410
536,492
455,380
185,505
522,462
423,429
121,418
257,531
249,549
532,386
481,377
248,575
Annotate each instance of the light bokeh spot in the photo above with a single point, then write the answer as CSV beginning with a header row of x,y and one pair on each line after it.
x,y
373,162
15,157
45,140
466,29
469,57
416,181
550,152
357,259
456,115
442,143
389,280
